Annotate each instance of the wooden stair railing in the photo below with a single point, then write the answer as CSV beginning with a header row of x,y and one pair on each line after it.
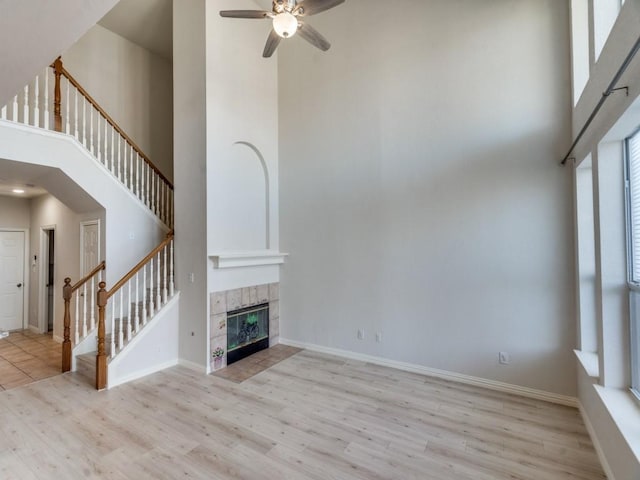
x,y
135,301
76,113
81,312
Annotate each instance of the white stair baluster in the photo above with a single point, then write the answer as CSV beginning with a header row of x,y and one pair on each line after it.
x,y
84,310
84,122
171,286
77,315
153,191
3,113
113,151
158,287
126,171
120,330
143,192
164,275
46,99
119,158
129,311
106,145
113,329
98,150
137,308
67,108
25,106
93,310
138,192
91,129
36,103
75,113
132,180
144,295
163,201
152,307
157,194
15,108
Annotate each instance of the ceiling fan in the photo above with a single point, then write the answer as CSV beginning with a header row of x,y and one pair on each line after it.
x,y
286,16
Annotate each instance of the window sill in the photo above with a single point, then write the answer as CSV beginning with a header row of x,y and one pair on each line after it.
x,y
625,412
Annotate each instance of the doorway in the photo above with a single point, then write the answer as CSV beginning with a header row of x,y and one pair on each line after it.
x,y
48,253
12,286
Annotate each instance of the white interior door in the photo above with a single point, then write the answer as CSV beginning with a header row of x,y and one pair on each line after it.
x,y
11,280
90,246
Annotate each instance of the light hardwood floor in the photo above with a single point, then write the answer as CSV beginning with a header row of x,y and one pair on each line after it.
x,y
310,416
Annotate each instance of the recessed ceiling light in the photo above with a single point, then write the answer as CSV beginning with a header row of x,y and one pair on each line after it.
x,y
17,190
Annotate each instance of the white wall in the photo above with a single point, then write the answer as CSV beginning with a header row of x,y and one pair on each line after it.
x,y
68,172
420,190
14,212
242,145
228,147
133,85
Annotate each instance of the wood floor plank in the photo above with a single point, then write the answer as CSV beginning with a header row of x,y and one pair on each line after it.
x,y
309,417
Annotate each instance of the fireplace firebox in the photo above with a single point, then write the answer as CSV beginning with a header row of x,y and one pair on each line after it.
x,y
247,332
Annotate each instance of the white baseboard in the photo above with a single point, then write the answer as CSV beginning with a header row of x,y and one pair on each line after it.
x,y
443,374
192,366
58,338
596,443
143,373
35,330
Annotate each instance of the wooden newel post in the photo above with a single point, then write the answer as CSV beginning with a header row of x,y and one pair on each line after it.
x,y
67,291
57,97
101,357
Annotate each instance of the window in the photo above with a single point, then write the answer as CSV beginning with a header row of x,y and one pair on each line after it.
x,y
632,190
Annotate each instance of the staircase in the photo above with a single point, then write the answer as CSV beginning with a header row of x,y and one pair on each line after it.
x,y
105,332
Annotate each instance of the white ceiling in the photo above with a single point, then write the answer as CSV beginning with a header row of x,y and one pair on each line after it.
x,y
148,23
22,176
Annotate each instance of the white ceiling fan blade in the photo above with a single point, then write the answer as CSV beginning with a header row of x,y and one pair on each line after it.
x,y
314,37
312,7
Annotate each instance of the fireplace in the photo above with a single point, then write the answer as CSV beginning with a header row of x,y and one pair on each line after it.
x,y
226,304
247,332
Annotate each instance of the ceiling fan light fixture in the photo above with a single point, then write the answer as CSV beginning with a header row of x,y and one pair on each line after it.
x,y
285,24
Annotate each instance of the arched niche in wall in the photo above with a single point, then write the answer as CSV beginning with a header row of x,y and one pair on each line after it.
x,y
241,200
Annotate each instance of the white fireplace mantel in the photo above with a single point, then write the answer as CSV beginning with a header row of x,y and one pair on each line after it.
x,y
231,259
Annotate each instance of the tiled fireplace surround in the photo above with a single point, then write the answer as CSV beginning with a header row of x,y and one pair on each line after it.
x,y
230,300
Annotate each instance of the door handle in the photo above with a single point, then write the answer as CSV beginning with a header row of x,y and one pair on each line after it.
x,y
19,285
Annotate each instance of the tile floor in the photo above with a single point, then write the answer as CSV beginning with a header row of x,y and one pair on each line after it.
x,y
246,368
26,357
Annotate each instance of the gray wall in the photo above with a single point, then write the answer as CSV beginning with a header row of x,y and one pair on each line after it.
x,y
47,211
34,33
190,137
420,191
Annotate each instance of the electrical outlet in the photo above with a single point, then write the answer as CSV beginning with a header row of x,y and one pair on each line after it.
x,y
503,358
192,277
360,334
378,337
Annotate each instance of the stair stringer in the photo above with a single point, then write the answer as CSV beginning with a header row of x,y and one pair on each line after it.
x,y
152,349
